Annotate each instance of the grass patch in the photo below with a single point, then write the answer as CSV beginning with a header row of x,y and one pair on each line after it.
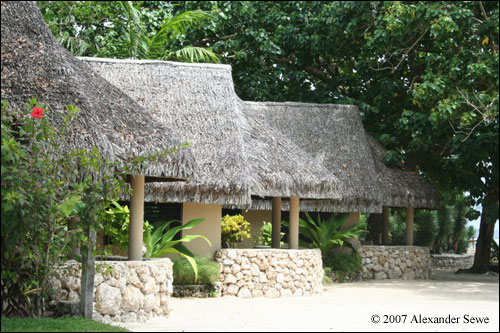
x,y
208,271
69,324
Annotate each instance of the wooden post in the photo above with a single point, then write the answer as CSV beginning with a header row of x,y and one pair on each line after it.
x,y
385,225
293,242
276,223
136,219
87,280
409,225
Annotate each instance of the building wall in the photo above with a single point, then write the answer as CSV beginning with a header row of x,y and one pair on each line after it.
x,y
256,219
352,220
210,228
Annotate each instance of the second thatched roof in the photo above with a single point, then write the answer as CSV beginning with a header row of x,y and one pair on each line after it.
x,y
401,188
334,136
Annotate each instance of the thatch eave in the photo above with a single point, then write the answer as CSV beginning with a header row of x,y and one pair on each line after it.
x,y
401,187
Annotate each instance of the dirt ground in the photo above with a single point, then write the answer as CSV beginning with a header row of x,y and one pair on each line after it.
x,y
460,301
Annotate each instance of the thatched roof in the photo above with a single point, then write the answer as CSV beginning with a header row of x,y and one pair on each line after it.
x,y
35,65
198,102
334,136
401,188
238,153
278,167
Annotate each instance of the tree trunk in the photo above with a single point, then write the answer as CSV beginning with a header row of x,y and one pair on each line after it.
x,y
489,216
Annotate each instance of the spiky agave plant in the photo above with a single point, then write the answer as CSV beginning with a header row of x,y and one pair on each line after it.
x,y
326,234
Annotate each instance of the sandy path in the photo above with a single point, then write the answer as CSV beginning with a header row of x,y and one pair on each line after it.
x,y
342,307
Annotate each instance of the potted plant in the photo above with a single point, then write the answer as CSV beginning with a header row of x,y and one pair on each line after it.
x,y
234,230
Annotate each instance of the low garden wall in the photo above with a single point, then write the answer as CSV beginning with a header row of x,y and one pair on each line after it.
x,y
452,261
395,262
124,291
270,272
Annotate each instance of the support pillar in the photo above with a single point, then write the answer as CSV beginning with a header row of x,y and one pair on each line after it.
x,y
385,225
276,223
293,242
136,219
409,225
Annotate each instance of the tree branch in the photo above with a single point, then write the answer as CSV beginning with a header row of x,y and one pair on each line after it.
x,y
317,73
483,11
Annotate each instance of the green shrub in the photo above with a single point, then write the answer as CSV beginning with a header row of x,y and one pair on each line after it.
x,y
344,264
327,281
426,228
235,229
266,235
50,199
208,271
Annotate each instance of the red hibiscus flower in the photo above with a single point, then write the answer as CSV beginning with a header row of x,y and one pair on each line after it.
x,y
37,112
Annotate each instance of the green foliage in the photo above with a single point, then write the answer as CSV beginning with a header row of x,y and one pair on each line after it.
x,y
344,263
235,229
69,324
126,29
326,279
161,242
266,235
494,251
49,200
116,220
425,228
326,234
208,271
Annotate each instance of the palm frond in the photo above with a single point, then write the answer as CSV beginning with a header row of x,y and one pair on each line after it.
x,y
193,54
181,23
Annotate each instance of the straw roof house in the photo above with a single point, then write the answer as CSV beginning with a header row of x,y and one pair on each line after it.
x,y
34,64
400,187
239,155
334,136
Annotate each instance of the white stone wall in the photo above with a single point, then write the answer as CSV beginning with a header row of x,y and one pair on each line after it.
x,y
395,262
452,261
270,272
124,291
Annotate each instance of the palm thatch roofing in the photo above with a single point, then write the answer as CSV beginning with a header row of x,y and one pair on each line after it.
x,y
35,65
278,167
238,154
334,136
400,187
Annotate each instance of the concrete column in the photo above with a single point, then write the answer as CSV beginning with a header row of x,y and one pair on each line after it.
x,y
352,220
293,242
276,223
409,225
385,225
135,242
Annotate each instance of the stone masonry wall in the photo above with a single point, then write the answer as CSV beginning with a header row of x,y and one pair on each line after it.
x,y
452,261
124,291
270,272
395,262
